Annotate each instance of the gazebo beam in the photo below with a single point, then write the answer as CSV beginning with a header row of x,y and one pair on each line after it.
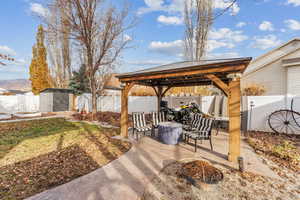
x,y
234,110
223,86
160,93
124,108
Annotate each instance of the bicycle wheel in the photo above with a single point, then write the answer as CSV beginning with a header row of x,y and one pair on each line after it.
x,y
295,116
282,121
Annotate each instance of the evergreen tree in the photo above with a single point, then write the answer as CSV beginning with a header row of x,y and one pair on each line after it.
x,y
39,72
79,81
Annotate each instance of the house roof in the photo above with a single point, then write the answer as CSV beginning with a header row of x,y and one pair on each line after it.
x,y
112,88
258,63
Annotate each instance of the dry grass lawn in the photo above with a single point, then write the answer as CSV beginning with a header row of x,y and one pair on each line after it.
x,y
41,154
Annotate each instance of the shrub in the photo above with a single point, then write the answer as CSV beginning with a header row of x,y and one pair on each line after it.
x,y
287,151
254,90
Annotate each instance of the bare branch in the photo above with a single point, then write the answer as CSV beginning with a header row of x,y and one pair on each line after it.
x,y
99,31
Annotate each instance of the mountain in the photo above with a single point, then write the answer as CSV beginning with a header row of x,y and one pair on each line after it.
x,y
17,84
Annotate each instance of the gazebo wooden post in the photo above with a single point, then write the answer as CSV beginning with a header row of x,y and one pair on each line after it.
x,y
124,109
234,110
159,97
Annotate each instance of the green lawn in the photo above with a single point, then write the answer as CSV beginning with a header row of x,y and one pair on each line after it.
x,y
40,154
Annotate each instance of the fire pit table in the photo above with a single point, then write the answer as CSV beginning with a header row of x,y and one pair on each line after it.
x,y
169,132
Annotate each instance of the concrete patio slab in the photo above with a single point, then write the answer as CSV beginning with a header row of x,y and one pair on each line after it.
x,y
127,177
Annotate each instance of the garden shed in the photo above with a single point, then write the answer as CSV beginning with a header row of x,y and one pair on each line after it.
x,y
56,100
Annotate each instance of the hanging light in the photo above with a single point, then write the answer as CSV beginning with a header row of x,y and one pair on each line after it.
x,y
234,76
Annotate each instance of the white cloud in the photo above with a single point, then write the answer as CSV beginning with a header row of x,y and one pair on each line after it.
x,y
214,44
266,26
223,4
227,35
266,42
218,38
241,24
174,48
39,9
292,24
178,6
171,20
127,37
282,30
294,2
6,50
222,55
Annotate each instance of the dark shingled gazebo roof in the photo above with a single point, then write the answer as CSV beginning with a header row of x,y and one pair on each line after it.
x,y
169,74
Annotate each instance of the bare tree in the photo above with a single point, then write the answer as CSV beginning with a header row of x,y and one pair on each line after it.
x,y
198,17
99,29
59,47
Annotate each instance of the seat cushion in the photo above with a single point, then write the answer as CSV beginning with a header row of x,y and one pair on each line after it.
x,y
146,128
196,134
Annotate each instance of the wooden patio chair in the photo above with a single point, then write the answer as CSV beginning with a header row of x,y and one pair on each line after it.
x,y
202,132
139,124
157,117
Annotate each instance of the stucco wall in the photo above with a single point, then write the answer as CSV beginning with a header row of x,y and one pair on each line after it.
x,y
273,76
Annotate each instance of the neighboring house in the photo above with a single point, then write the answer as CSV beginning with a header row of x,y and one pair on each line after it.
x,y
112,91
278,71
11,92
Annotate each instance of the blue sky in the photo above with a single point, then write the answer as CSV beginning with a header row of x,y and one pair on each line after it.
x,y
251,28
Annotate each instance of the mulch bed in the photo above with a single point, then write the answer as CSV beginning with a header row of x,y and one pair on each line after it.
x,y
43,172
280,148
170,185
25,178
202,171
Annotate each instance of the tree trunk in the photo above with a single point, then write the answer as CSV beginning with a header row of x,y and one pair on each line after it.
x,y
94,98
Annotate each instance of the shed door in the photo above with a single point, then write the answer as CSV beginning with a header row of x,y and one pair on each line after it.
x,y
293,80
60,102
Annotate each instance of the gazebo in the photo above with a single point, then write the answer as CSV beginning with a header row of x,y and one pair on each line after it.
x,y
222,73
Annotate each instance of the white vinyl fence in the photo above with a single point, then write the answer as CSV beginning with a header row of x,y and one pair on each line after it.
x,y
19,103
255,117
263,106
113,103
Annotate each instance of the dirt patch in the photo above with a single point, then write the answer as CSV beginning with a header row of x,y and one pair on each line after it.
x,y
170,185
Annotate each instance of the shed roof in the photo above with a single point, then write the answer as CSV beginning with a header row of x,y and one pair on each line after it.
x,y
62,90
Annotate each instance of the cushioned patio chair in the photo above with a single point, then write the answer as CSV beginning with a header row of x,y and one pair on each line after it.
x,y
202,132
139,124
193,124
157,117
